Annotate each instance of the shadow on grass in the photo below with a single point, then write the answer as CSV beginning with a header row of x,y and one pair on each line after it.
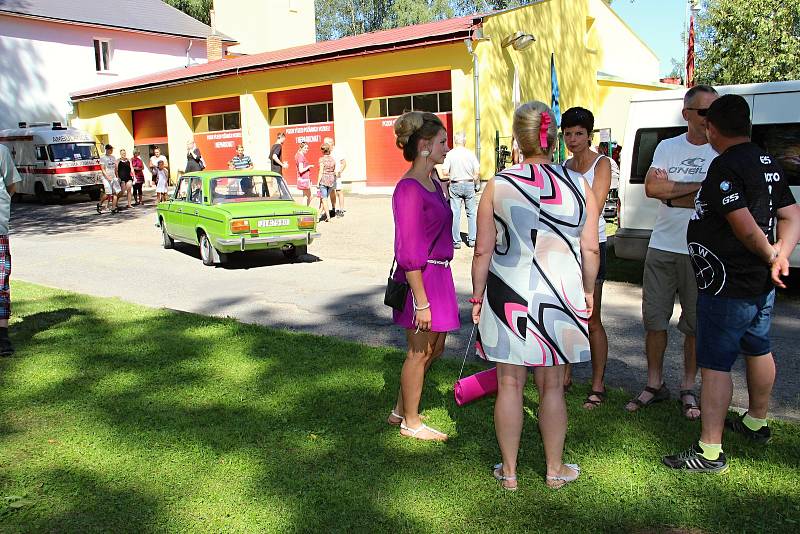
x,y
119,418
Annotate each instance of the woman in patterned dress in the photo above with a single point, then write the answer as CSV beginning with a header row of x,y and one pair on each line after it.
x,y
423,248
533,276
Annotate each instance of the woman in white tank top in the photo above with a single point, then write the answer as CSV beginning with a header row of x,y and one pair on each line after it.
x,y
577,125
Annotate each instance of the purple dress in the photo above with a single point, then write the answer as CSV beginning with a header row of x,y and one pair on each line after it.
x,y
422,228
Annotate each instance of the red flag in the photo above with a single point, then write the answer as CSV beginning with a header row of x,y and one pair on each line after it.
x,y
690,55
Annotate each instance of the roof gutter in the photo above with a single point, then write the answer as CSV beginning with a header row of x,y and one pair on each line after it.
x,y
450,38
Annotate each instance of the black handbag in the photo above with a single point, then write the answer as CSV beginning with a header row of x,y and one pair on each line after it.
x,y
396,292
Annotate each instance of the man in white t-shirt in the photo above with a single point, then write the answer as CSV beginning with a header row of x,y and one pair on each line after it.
x,y
461,167
111,185
679,166
337,199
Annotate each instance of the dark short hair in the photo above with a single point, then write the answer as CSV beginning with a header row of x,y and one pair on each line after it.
x,y
578,117
730,115
698,89
109,147
281,135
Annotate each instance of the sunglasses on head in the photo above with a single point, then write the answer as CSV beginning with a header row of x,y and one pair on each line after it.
x,y
700,111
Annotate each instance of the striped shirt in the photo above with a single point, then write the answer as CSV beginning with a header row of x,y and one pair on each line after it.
x,y
243,162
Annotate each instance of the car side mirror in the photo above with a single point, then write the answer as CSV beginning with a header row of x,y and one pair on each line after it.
x,y
41,153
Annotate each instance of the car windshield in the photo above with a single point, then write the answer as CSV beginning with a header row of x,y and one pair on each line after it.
x,y
72,151
248,188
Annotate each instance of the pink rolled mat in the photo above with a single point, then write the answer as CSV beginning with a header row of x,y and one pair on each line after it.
x,y
474,387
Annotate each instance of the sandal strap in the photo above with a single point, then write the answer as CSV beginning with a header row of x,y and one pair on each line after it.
x,y
654,391
423,426
498,468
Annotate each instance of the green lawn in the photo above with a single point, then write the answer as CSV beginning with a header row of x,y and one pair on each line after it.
x,y
115,418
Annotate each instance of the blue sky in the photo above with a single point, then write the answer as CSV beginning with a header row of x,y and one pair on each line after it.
x,y
658,23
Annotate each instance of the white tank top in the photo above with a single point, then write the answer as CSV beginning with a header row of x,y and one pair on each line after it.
x,y
589,176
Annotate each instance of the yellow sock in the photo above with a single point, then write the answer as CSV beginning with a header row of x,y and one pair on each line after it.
x,y
710,451
752,423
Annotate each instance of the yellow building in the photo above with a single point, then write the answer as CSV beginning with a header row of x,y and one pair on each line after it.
x,y
352,88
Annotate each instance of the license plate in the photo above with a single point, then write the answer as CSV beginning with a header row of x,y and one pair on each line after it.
x,y
74,188
273,222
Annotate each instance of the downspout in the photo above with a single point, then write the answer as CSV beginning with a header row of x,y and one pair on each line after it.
x,y
476,93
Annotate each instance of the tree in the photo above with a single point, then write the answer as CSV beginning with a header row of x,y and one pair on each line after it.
x,y
741,41
198,9
339,18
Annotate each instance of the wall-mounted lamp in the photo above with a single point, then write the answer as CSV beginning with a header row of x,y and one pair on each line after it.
x,y
518,40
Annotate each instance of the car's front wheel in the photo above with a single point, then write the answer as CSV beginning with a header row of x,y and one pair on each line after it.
x,y
166,240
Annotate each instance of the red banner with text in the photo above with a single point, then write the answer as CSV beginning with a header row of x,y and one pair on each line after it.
x,y
218,148
313,134
385,163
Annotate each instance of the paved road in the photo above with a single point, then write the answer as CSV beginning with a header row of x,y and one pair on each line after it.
x,y
336,291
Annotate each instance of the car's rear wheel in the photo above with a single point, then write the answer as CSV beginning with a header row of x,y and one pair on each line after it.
x,y
206,250
166,240
294,252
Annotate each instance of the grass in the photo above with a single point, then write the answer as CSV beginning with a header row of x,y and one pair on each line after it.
x,y
119,418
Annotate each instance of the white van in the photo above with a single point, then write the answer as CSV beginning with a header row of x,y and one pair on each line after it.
x,y
54,160
775,109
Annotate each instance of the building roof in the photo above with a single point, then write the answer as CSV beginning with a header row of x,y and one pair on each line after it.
x,y
151,16
419,35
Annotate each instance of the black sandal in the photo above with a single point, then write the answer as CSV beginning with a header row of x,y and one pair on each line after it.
x,y
658,395
594,403
689,405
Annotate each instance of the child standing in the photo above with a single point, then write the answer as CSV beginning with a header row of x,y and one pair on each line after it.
x,y
162,182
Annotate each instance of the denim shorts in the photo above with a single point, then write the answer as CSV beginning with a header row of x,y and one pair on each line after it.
x,y
727,327
325,191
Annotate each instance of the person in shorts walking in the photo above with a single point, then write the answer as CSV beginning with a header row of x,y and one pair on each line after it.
x,y
679,165
10,177
462,167
111,185
745,226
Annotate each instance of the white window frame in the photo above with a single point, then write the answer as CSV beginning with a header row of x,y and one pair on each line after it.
x,y
98,41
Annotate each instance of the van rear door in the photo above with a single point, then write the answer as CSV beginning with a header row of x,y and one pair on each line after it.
x,y
776,129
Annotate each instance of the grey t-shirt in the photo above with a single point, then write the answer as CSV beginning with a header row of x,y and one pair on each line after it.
x,y
10,176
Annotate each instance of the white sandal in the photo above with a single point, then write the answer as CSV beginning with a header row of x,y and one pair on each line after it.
x,y
396,416
564,479
412,432
500,477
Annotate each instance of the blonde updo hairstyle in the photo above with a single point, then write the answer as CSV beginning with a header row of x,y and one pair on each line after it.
x,y
411,127
527,121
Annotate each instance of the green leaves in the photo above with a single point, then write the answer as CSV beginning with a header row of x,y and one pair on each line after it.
x,y
740,41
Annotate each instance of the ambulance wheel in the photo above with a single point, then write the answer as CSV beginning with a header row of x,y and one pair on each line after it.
x,y
41,195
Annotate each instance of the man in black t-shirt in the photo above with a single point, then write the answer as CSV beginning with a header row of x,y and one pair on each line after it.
x,y
737,258
276,155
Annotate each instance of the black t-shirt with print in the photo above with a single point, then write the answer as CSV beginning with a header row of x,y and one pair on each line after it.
x,y
276,150
744,176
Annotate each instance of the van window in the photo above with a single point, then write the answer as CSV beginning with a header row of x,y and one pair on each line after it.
x,y
644,147
72,151
41,153
783,142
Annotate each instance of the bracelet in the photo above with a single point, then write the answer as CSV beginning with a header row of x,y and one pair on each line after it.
x,y
475,301
428,305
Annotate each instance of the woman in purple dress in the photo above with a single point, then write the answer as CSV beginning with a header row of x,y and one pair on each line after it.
x,y
423,248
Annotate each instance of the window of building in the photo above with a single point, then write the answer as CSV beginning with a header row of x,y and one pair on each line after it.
x,y
393,106
102,55
217,122
304,114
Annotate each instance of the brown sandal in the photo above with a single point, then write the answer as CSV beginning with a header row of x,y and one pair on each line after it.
x,y
658,395
689,405
594,403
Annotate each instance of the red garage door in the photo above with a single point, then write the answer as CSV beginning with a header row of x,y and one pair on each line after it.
x,y
217,130
150,126
387,98
304,115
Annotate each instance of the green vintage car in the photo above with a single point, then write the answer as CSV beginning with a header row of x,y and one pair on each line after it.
x,y
236,211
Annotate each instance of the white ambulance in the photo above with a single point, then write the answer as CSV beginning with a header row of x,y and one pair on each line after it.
x,y
54,160
775,111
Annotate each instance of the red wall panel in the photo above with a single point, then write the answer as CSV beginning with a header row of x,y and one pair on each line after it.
x,y
403,85
213,107
385,163
217,148
295,97
150,126
313,134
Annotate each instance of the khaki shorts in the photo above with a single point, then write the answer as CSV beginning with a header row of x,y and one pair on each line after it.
x,y
667,273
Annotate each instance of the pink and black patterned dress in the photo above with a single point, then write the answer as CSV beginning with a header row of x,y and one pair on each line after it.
x,y
534,310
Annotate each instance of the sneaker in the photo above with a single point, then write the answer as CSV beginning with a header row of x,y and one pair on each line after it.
x,y
6,348
456,245
693,461
736,424
332,213
471,244
339,213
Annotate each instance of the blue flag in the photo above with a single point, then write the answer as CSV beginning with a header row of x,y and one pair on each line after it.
x,y
560,153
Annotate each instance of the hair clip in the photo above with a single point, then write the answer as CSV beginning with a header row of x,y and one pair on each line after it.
x,y
543,127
